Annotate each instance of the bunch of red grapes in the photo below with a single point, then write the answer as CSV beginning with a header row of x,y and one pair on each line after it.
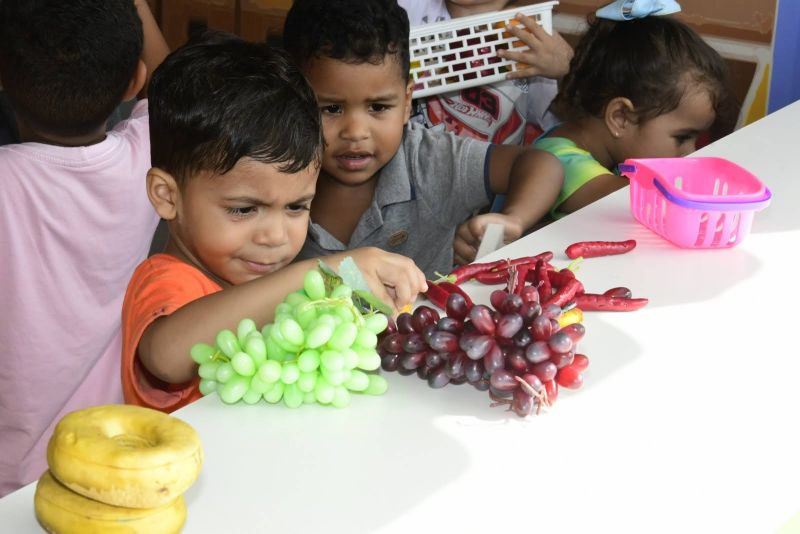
x,y
515,349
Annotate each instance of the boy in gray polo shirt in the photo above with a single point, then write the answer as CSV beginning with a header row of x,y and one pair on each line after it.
x,y
385,183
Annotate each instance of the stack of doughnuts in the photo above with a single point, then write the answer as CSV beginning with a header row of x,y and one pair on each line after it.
x,y
118,468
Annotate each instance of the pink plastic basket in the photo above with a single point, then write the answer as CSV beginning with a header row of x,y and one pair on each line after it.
x,y
695,202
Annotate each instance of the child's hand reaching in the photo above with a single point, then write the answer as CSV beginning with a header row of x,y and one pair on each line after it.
x,y
393,278
469,234
549,55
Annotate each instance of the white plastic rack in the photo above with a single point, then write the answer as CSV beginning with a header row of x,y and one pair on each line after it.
x,y
461,53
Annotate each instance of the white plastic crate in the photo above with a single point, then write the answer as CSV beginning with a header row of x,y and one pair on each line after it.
x,y
460,53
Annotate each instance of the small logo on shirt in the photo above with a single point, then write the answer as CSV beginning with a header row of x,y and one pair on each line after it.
x,y
398,238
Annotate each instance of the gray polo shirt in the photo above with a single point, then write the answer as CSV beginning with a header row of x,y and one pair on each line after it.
x,y
434,182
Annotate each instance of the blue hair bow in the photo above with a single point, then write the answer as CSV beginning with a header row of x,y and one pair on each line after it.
x,y
637,9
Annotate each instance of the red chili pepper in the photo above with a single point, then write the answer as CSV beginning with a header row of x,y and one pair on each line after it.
x,y
468,272
560,278
593,249
528,260
491,278
543,279
437,294
594,302
439,291
519,281
566,293
453,288
621,292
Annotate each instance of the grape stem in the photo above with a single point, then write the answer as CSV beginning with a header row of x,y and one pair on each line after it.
x,y
346,302
498,401
540,396
511,285
220,357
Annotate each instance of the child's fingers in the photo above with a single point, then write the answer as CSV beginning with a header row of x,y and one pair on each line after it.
x,y
526,57
512,230
389,296
467,233
459,260
524,73
392,296
397,304
463,252
476,227
527,38
466,242
403,295
535,29
526,64
524,35
548,55
422,281
393,278
397,296
405,279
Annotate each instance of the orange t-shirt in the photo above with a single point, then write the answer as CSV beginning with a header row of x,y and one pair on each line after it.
x,y
160,285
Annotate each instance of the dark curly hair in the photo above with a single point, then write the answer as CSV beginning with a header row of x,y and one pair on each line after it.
x,y
219,98
66,65
651,61
354,31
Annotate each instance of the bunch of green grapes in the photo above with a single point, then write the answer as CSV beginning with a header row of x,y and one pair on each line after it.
x,y
317,350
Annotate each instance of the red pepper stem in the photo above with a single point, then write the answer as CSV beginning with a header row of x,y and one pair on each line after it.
x,y
444,277
575,264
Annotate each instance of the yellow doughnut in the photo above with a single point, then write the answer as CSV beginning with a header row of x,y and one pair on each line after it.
x,y
125,455
62,511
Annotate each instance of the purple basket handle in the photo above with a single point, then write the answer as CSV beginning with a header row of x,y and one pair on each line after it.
x,y
722,205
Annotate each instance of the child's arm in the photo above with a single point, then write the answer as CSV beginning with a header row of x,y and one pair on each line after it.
x,y
164,347
155,47
594,189
531,179
549,55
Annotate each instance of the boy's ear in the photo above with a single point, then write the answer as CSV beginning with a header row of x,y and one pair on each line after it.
x,y
137,82
619,116
163,192
407,101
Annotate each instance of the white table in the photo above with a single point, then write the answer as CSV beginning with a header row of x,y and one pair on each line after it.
x,y
684,423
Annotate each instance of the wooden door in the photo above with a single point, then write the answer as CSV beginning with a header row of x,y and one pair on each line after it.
x,y
180,18
263,19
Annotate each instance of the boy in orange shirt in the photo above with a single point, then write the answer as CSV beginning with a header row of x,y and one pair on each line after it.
x,y
236,146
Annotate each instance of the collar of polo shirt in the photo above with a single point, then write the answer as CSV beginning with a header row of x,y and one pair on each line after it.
x,y
394,186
